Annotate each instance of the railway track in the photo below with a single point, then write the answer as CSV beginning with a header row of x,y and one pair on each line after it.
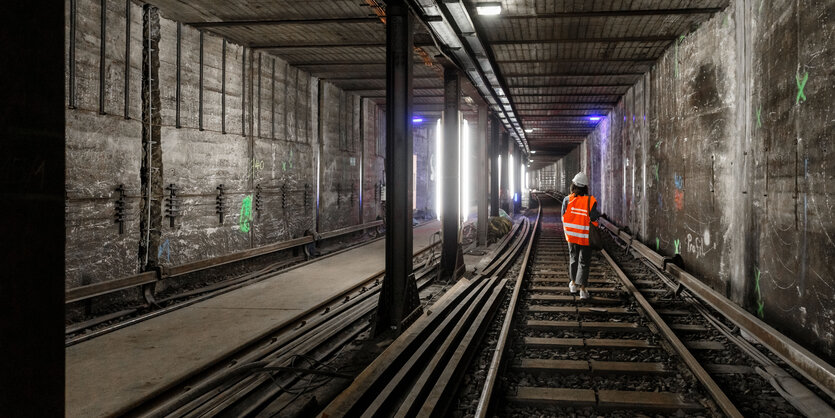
x,y
639,345
268,376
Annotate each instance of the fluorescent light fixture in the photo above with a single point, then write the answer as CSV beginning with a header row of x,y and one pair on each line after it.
x,y
438,164
527,131
533,152
417,119
594,118
510,175
530,161
464,164
490,8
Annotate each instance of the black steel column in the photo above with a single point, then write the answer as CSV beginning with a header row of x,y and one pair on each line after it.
x,y
481,140
494,166
503,172
398,297
450,201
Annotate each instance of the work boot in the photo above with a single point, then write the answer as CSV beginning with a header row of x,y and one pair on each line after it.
x,y
572,288
584,294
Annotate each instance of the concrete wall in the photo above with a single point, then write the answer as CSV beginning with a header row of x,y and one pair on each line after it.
x,y
102,151
266,157
722,154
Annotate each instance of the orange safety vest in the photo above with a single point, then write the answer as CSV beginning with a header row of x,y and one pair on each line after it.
x,y
575,221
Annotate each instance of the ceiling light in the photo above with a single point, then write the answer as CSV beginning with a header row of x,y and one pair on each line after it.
x,y
490,8
533,152
594,118
527,131
417,119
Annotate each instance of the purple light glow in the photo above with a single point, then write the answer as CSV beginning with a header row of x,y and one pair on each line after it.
x,y
594,118
417,120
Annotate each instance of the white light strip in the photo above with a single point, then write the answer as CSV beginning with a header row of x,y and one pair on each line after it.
x,y
464,157
438,165
510,176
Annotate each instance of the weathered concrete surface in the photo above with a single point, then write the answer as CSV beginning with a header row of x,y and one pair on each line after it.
x,y
716,155
374,168
267,142
102,151
113,372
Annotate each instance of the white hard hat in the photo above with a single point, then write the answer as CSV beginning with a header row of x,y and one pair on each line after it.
x,y
580,179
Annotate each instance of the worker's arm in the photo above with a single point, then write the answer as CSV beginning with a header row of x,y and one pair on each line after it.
x,y
564,205
593,213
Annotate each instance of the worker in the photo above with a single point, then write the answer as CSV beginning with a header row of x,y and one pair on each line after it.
x,y
579,210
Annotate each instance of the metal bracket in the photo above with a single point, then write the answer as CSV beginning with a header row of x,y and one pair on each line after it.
x,y
220,203
120,209
172,204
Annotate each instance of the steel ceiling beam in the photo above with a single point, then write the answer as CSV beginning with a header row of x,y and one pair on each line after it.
x,y
643,61
614,74
278,22
618,13
655,38
330,45
545,86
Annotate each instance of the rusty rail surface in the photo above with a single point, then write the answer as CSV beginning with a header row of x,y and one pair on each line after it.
x,y
704,377
496,361
812,367
418,373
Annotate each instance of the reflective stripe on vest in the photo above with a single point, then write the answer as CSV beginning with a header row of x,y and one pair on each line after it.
x,y
576,219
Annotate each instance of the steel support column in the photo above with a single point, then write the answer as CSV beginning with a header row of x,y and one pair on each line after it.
x,y
398,297
494,166
481,141
450,216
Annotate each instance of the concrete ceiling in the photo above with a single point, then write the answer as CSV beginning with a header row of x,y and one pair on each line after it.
x,y
562,61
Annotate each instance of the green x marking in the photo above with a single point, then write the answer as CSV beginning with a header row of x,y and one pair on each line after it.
x,y
677,243
760,303
801,84
759,116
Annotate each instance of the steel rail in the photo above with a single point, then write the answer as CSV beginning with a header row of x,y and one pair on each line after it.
x,y
81,293
293,331
812,367
437,341
496,361
701,374
230,288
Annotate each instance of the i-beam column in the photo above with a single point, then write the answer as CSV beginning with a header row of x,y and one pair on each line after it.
x,y
482,191
517,177
398,296
450,216
494,166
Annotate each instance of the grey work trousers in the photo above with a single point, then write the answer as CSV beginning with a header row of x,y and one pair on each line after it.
x,y
580,256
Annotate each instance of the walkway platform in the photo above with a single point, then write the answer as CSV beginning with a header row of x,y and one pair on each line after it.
x,y
115,372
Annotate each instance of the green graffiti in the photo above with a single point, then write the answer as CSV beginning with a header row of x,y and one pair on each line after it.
x,y
656,172
725,21
759,116
658,144
245,221
284,165
678,42
657,244
801,84
678,244
760,303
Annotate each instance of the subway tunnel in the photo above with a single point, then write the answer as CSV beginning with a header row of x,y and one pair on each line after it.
x,y
285,208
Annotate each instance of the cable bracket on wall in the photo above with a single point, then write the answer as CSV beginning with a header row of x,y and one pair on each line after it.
x,y
172,204
120,208
220,205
